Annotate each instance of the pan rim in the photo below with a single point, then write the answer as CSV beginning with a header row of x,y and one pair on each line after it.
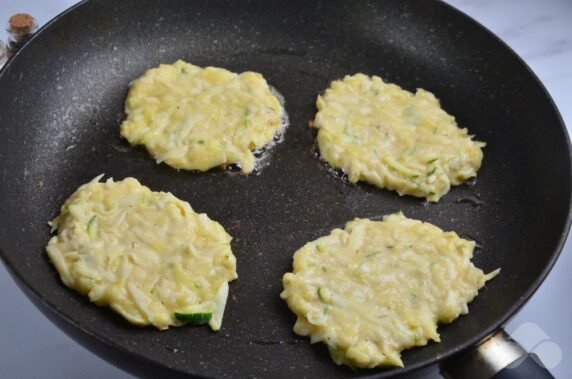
x,y
465,345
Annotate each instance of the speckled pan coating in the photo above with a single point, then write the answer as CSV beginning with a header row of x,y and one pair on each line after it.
x,y
61,102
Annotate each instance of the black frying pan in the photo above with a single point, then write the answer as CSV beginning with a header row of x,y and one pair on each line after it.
x,y
61,103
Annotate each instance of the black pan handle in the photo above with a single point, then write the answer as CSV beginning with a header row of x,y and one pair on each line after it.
x,y
528,367
499,357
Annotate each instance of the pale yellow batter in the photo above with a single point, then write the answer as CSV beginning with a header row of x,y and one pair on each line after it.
x,y
381,134
145,254
378,287
198,118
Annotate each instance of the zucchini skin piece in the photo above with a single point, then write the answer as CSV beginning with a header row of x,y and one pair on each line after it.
x,y
194,318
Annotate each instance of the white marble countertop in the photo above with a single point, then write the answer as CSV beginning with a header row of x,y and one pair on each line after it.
x,y
539,31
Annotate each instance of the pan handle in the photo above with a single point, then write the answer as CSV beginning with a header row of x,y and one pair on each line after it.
x,y
499,357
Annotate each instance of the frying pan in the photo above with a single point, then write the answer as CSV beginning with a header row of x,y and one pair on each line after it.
x,y
61,104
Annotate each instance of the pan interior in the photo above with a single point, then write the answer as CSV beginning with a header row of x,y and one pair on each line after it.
x,y
61,105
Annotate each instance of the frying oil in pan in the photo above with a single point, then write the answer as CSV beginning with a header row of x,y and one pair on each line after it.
x,y
336,172
475,201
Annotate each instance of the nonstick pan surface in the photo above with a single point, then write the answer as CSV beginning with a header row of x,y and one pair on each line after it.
x,y
61,104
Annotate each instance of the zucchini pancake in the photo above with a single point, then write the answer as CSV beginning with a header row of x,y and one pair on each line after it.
x,y
381,134
145,254
376,288
197,118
